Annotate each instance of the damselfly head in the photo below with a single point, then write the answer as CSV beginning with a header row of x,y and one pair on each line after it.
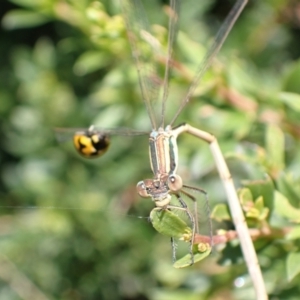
x,y
157,189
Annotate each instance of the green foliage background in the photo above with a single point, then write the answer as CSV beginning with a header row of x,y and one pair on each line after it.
x,y
68,64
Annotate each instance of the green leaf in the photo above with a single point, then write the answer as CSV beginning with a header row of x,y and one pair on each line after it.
x,y
19,18
275,148
263,211
253,210
294,234
91,61
259,203
288,186
221,213
285,209
167,223
264,188
31,3
252,213
291,99
186,260
245,197
291,82
292,265
247,202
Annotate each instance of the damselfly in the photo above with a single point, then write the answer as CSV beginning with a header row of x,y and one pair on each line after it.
x,y
166,183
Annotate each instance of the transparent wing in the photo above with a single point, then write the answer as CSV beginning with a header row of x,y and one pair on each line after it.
x,y
196,202
64,134
143,45
212,52
173,29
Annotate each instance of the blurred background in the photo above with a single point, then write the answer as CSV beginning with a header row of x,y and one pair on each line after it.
x,y
74,228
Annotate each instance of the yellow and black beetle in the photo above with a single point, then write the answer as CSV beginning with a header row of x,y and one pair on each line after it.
x,y
92,142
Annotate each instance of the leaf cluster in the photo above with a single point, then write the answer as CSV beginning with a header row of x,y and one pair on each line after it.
x,y
68,64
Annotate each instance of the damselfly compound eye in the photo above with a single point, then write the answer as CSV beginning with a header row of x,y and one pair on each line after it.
x,y
175,183
142,189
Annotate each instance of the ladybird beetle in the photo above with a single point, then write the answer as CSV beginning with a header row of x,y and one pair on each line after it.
x,y
90,143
